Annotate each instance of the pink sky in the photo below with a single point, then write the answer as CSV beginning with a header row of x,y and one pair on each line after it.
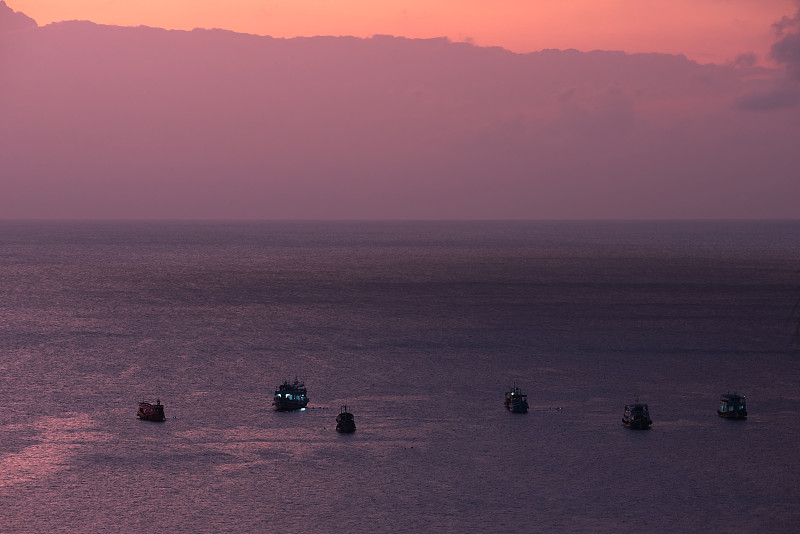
x,y
125,121
708,31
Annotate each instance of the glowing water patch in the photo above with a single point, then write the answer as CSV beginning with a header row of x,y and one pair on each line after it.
x,y
59,440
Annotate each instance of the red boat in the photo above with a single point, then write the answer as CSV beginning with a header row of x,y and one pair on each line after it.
x,y
151,412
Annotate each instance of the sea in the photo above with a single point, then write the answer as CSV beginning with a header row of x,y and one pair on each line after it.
x,y
419,328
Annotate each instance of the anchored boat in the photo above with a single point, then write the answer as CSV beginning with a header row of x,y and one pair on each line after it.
x,y
290,396
732,406
516,401
637,416
345,422
151,412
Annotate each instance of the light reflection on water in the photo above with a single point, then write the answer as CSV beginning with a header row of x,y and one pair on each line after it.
x,y
53,444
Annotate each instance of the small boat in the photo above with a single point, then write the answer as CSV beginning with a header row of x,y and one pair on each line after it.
x,y
637,416
290,396
732,406
151,412
345,421
516,401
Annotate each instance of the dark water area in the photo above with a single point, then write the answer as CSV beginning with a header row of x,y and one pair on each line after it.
x,y
419,327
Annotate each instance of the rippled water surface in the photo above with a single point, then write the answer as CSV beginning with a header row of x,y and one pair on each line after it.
x,y
419,328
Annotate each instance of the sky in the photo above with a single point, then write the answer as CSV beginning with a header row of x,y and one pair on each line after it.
x,y
707,31
523,111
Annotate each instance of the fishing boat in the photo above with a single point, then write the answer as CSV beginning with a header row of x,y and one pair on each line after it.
x,y
151,412
516,401
290,396
732,406
637,416
345,422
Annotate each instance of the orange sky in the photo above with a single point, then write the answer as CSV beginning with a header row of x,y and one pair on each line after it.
x,y
705,30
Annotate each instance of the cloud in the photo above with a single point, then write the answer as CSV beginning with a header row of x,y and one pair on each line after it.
x,y
786,51
777,98
11,20
787,23
110,122
785,93
746,60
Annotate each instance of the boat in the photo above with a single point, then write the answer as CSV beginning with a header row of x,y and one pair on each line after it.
x,y
732,406
345,422
290,396
151,412
516,401
637,416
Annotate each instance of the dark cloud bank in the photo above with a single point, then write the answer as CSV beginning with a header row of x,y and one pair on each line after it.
x,y
111,122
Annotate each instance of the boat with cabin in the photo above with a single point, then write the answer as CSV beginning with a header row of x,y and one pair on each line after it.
x,y
345,422
290,396
637,416
732,406
516,401
151,412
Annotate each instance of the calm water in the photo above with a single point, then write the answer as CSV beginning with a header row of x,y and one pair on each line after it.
x,y
419,327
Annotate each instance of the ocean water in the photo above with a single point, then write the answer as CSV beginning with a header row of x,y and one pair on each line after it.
x,y
419,327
